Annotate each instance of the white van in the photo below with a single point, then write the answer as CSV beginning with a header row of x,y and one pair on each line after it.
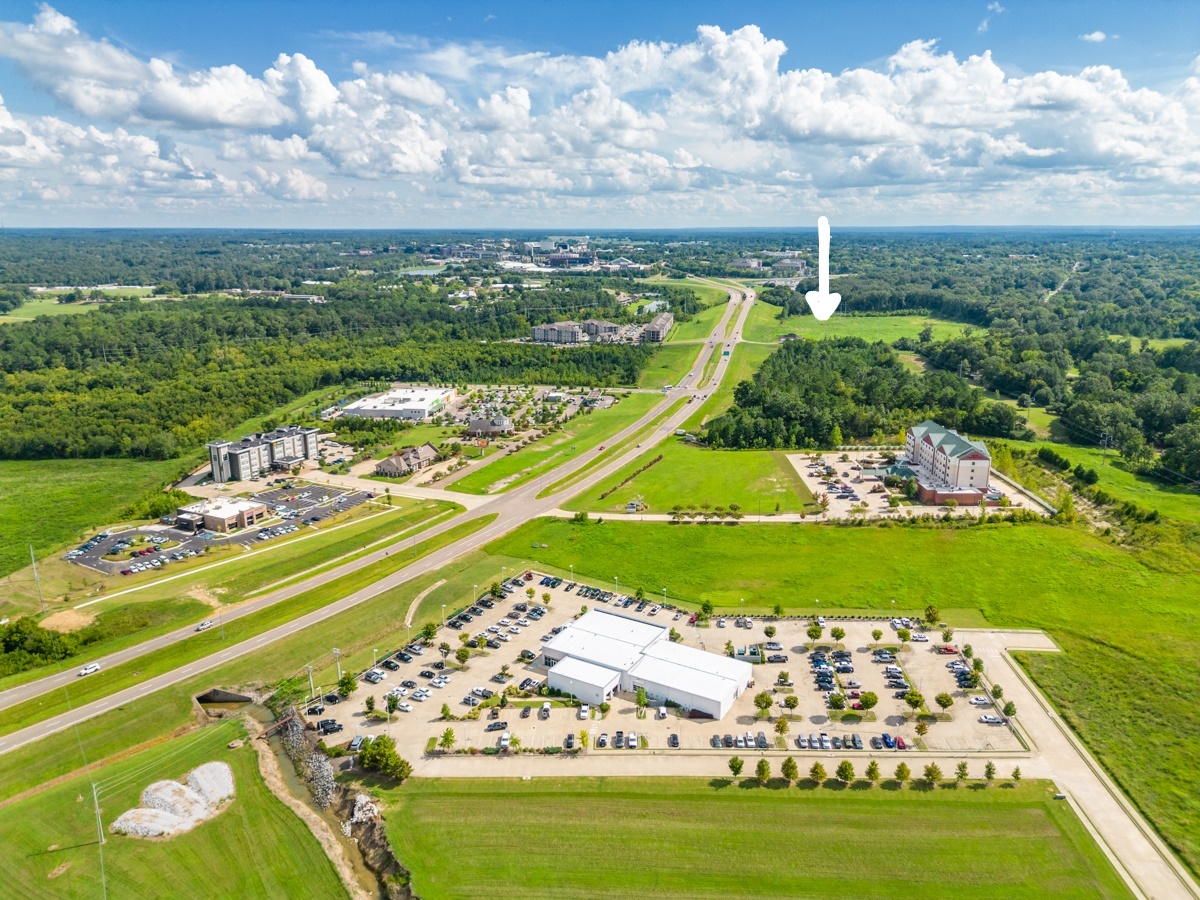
x,y
662,712
584,711
505,740
89,669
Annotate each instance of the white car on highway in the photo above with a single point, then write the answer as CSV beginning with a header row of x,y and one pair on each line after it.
x,y
205,625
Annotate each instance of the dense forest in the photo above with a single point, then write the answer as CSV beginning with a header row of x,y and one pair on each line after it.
x,y
822,393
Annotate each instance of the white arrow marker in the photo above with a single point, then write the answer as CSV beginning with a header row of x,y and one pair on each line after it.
x,y
821,302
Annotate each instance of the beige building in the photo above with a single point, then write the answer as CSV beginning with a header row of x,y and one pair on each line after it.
x,y
658,329
222,514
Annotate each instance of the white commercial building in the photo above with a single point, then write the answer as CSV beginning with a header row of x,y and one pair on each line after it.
x,y
414,404
602,652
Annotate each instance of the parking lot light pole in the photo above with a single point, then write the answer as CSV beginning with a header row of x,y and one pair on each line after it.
x,y
374,655
221,622
616,585
337,660
311,690
443,615
572,565
474,594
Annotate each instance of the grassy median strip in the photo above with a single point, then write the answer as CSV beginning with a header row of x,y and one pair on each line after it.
x,y
107,681
255,847
690,837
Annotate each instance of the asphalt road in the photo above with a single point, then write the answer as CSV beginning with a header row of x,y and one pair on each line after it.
x,y
512,509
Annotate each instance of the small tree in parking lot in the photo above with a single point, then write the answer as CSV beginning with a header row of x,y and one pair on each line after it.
x,y
904,634
947,635
931,615
837,701
530,592
707,608
778,610
989,771
640,594
1010,709
933,775
447,740
769,631
462,654
1016,775
791,701
817,774
960,771
370,703
447,715
392,702
496,590
729,648
736,765
872,773
781,727
347,684
605,707
922,729
444,648
464,637
584,737
837,633
845,771
762,771
546,598
997,692
914,700
903,773
814,633
968,651
641,698
977,664
763,701
944,700
789,770
429,631
869,700
481,642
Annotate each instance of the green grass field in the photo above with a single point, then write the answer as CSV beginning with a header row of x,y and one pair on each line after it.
x,y
707,293
1129,628
755,479
45,305
256,847
763,325
581,434
682,837
669,364
698,327
51,503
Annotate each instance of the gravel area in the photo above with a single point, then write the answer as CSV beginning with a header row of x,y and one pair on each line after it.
x,y
170,808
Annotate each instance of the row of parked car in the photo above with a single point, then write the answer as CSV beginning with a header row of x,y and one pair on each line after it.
x,y
276,531
149,561
745,741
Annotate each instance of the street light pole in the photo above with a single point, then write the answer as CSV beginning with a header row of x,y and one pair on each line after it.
x,y
337,660
312,691
474,595
374,656
572,565
443,615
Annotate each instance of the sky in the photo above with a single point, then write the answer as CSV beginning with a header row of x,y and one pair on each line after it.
x,y
605,115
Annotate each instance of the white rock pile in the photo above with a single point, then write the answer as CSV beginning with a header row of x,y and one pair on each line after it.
x,y
365,809
170,808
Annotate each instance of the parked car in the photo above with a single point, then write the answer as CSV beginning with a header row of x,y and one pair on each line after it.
x,y
496,726
601,740
673,741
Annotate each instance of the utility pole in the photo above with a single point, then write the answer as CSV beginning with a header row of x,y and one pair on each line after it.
x,y
37,578
312,691
337,660
1106,441
100,841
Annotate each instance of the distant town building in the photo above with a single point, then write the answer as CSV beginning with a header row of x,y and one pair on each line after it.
x,y
558,333
407,461
798,265
256,454
746,263
660,326
413,404
598,328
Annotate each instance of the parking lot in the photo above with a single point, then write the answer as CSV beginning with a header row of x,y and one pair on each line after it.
x,y
152,548
423,683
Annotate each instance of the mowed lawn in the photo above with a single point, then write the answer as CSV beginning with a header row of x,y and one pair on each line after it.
x,y
763,325
582,433
684,837
757,480
50,503
669,364
746,359
45,305
256,847
1130,630
700,326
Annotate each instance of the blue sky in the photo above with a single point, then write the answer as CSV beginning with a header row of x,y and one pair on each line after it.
x,y
614,114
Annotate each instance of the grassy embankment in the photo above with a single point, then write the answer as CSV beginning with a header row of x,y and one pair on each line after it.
x,y
1125,620
577,436
684,837
256,847
167,659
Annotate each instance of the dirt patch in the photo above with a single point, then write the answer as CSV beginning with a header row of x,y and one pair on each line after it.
x,y
58,870
67,620
206,595
412,608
